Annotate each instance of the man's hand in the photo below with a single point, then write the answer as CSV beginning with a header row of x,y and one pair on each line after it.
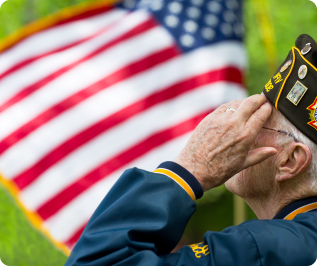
x,y
220,145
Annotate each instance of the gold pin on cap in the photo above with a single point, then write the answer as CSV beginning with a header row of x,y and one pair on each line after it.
x,y
286,65
302,72
306,49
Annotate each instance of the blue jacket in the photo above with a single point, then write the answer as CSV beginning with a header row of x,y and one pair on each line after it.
x,y
144,215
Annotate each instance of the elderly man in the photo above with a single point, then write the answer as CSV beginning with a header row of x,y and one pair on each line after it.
x,y
267,159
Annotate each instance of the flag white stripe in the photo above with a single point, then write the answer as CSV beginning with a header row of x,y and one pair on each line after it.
x,y
76,214
116,141
54,38
111,100
41,68
69,83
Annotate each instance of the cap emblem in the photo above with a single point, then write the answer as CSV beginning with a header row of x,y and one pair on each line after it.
x,y
269,86
296,93
302,72
277,78
313,114
286,65
306,49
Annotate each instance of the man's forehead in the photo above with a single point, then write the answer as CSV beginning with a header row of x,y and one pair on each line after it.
x,y
273,118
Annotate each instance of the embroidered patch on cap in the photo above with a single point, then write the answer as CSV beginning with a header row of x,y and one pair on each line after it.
x,y
313,114
296,93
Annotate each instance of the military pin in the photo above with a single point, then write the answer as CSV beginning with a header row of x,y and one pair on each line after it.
x,y
286,65
306,49
302,72
296,93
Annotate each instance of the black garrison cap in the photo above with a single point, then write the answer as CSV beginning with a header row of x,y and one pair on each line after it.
x,y
293,87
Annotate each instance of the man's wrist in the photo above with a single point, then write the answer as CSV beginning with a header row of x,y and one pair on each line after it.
x,y
183,177
197,169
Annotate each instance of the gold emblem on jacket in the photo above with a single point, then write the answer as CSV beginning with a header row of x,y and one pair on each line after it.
x,y
200,249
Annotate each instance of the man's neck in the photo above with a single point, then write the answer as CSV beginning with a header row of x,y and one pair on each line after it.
x,y
267,209
281,195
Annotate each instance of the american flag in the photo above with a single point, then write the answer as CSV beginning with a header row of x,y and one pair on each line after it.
x,y
94,90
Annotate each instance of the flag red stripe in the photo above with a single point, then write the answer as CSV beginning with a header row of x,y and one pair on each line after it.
x,y
72,241
38,85
80,96
28,61
28,176
157,139
87,14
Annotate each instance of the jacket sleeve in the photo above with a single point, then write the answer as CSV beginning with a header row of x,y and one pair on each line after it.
x,y
144,215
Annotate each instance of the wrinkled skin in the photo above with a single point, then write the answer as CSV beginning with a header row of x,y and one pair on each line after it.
x,y
220,145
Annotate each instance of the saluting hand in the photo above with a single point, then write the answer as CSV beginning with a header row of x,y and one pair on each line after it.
x,y
220,145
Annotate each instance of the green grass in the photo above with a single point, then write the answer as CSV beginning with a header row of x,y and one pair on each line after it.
x,y
21,244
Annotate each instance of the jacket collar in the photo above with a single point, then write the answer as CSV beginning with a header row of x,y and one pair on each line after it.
x,y
297,207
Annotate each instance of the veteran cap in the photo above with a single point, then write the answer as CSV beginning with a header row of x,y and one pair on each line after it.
x,y
293,87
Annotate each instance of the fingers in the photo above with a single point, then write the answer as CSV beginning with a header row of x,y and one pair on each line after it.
x,y
249,106
235,104
259,155
259,117
222,108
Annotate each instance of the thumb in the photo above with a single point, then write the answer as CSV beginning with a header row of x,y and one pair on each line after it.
x,y
258,155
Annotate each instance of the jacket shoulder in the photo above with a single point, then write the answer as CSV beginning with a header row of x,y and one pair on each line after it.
x,y
285,242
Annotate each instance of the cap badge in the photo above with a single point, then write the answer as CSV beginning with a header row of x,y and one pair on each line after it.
x,y
302,72
269,86
286,65
278,78
306,49
313,114
296,93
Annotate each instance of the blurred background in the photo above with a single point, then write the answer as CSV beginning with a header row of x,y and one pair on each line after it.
x,y
271,28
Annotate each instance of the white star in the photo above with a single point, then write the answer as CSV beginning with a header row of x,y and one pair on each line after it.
x,y
238,29
211,20
157,5
129,3
208,33
187,40
214,7
197,2
171,21
229,16
144,4
226,29
193,12
175,7
232,4
190,26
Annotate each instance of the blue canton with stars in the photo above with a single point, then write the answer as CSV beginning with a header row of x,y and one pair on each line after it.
x,y
195,23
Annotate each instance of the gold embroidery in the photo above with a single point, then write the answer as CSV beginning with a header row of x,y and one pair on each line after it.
x,y
277,78
200,250
269,86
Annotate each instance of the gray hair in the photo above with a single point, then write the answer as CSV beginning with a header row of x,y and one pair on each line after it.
x,y
284,124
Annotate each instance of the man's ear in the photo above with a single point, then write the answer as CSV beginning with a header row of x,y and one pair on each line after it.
x,y
296,160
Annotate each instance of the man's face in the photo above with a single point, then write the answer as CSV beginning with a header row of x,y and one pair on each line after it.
x,y
258,180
